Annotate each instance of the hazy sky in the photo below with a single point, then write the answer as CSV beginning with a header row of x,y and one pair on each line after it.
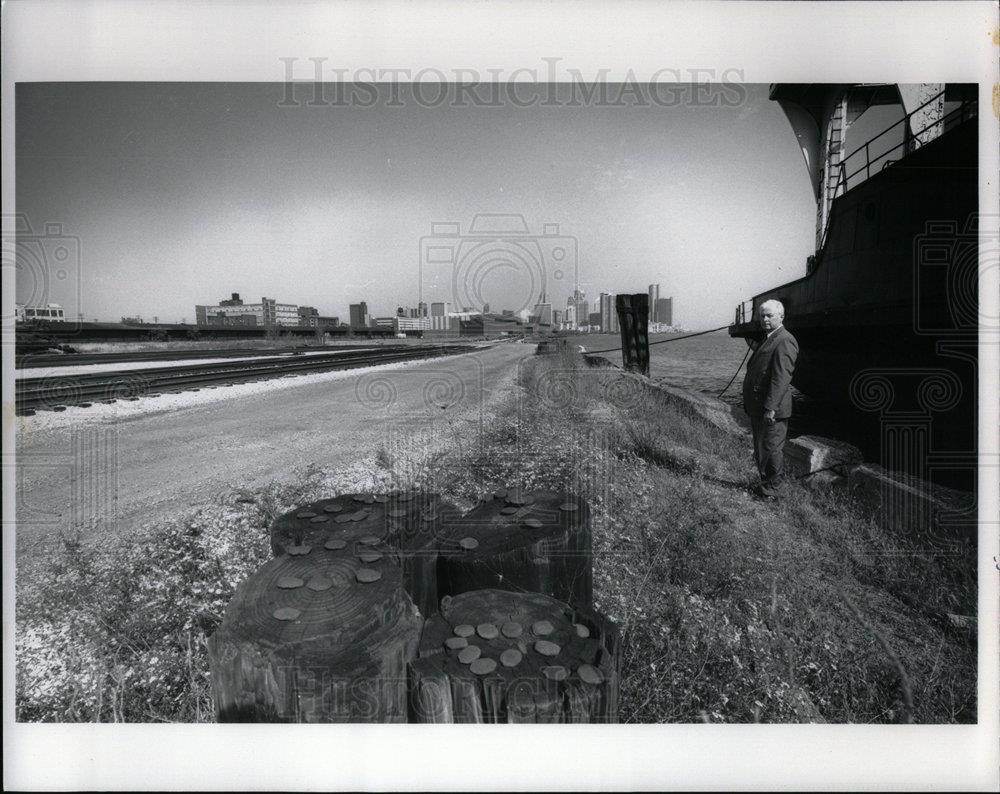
x,y
182,193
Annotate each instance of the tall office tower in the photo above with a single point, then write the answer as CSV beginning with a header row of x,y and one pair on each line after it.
x,y
359,315
609,317
578,301
664,311
421,309
654,296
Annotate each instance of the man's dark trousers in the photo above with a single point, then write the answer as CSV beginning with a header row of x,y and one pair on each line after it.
x,y
768,451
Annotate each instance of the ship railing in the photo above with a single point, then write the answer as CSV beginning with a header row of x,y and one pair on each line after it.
x,y
911,141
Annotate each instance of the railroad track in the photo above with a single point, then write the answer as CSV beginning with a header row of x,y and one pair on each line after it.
x,y
38,360
56,392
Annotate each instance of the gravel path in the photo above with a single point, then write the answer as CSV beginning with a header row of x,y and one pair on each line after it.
x,y
111,469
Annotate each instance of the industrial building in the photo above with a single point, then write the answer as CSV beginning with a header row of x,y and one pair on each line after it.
x,y
403,324
234,312
51,312
309,317
478,324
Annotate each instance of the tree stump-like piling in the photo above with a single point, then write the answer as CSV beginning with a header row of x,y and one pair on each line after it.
x,y
538,541
527,658
322,633
409,523
311,523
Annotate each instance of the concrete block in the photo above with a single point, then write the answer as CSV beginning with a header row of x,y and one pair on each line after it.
x,y
806,454
709,409
938,515
964,622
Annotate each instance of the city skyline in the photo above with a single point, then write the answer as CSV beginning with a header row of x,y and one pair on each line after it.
x,y
575,314
175,192
407,306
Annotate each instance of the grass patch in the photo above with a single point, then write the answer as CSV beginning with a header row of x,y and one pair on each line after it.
x,y
731,610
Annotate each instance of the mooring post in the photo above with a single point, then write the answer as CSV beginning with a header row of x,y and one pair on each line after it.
x,y
633,321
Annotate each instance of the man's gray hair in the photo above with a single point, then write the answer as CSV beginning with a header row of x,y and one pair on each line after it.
x,y
774,304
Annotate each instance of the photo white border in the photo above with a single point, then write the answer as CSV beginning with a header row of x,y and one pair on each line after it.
x,y
171,40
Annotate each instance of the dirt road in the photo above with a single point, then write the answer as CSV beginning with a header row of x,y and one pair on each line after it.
x,y
118,474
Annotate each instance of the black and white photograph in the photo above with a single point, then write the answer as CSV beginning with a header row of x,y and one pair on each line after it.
x,y
399,390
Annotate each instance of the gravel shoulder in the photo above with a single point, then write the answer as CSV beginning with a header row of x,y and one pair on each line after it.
x,y
117,468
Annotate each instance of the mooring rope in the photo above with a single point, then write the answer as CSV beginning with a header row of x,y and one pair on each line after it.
x,y
664,341
678,339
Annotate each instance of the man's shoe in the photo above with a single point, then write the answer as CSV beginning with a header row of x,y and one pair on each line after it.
x,y
766,494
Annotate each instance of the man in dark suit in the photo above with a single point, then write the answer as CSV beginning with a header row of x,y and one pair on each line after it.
x,y
767,396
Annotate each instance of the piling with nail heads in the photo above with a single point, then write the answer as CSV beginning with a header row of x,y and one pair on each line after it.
x,y
409,523
322,633
537,541
496,656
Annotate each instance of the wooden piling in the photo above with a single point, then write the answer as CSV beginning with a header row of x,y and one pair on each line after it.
x,y
529,658
538,541
409,523
322,633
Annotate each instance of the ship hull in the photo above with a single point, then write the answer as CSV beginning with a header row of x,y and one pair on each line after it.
x,y
887,321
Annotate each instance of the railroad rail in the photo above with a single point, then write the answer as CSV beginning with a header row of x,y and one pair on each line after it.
x,y
39,360
56,392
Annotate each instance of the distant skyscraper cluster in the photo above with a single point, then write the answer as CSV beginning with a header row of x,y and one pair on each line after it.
x,y
605,317
440,317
